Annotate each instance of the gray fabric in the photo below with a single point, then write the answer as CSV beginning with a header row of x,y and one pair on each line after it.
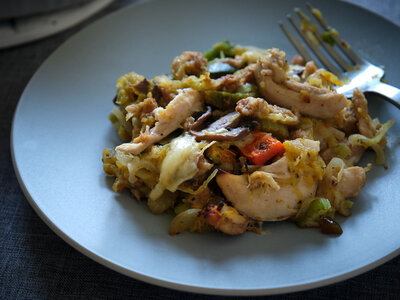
x,y
36,264
20,8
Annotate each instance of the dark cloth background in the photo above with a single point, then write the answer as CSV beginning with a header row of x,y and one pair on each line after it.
x,y
36,264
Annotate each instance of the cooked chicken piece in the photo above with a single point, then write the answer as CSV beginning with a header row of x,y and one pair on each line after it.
x,y
277,88
274,192
199,200
188,63
167,119
259,108
203,166
142,109
355,156
340,183
261,197
226,219
346,120
279,168
309,69
360,107
365,124
353,179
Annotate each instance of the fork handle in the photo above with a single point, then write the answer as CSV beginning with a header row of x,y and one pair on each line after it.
x,y
391,93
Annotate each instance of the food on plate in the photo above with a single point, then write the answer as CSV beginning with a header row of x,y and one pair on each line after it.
x,y
237,136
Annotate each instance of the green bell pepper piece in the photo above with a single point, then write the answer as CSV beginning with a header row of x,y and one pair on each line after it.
x,y
223,48
317,209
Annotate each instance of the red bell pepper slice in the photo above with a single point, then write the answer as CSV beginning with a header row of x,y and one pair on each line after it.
x,y
262,148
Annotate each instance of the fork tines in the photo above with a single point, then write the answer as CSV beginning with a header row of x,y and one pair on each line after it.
x,y
313,38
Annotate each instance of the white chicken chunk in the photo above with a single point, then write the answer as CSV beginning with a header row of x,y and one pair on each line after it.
x,y
168,119
226,219
340,183
261,197
353,179
274,192
277,88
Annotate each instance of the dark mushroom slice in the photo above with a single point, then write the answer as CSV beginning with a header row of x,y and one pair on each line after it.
x,y
228,121
216,130
200,120
230,135
141,87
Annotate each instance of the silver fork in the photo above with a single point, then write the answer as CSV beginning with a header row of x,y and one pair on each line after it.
x,y
356,72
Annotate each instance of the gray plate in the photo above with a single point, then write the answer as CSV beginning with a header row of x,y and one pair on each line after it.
x,y
60,129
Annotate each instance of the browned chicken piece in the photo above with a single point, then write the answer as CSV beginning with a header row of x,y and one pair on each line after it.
x,y
259,108
199,200
143,112
167,119
226,219
277,88
360,107
188,63
365,124
346,120
142,109
203,166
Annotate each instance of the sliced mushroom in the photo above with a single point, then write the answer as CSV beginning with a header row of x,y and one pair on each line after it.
x,y
223,129
229,135
228,121
200,121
